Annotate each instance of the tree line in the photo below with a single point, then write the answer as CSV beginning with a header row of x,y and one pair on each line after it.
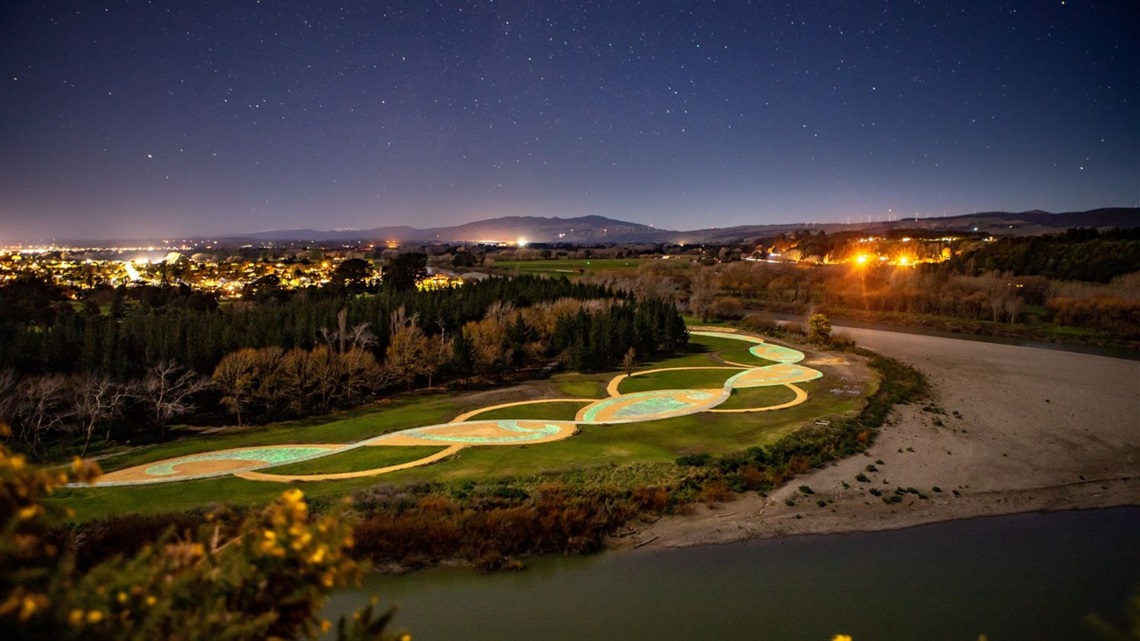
x,y
42,330
1077,254
274,372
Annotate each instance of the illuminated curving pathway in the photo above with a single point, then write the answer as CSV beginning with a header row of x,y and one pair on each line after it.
x,y
466,430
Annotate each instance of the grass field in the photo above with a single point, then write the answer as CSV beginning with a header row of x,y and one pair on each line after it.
x,y
677,379
361,458
345,427
593,447
91,503
751,397
555,411
576,385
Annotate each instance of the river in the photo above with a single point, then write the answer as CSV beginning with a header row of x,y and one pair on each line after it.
x,y
1027,576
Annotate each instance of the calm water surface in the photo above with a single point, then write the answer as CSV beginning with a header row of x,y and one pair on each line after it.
x,y
1032,576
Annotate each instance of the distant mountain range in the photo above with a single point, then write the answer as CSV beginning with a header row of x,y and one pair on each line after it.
x,y
599,229
581,230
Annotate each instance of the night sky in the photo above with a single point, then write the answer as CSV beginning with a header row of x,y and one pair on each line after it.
x,y
159,119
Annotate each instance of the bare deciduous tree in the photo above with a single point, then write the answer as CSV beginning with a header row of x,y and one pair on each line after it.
x,y
166,390
9,381
362,376
361,337
703,288
407,348
341,329
629,361
437,354
42,408
98,399
325,370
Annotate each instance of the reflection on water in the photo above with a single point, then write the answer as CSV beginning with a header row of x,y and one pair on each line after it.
x,y
1030,576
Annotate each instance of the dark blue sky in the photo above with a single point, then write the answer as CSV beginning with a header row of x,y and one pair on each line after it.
x,y
152,119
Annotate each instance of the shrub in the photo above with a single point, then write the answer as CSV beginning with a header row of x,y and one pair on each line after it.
x,y
730,463
757,455
728,308
761,323
714,491
819,329
695,460
126,535
753,478
799,465
650,499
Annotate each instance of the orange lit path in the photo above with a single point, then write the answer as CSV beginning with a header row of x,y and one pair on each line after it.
x,y
467,430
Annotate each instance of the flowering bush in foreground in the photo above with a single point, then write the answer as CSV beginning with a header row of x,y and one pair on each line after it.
x,y
264,576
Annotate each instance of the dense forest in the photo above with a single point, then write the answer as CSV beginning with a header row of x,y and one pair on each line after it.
x,y
73,370
1077,254
43,331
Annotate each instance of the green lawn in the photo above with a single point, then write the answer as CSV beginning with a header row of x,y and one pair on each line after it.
x,y
750,397
346,427
575,385
743,356
361,458
677,379
628,443
555,411
91,503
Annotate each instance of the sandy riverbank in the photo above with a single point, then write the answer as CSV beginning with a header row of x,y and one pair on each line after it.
x,y
1022,429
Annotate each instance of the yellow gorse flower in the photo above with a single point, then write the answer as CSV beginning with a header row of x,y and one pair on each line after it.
x,y
31,603
29,512
318,555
